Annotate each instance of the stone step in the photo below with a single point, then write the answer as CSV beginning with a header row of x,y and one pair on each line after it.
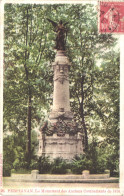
x,y
60,180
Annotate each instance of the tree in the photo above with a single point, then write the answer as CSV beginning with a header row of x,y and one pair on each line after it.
x,y
27,44
84,46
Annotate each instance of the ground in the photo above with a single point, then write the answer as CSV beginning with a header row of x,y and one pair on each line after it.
x,y
21,188
60,185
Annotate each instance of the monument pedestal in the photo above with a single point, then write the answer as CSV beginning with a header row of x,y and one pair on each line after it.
x,y
56,146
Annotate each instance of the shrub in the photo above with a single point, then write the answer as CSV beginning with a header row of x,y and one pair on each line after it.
x,y
6,169
20,171
80,163
34,163
113,165
59,166
44,165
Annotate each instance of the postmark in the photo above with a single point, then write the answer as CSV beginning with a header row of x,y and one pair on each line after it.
x,y
111,17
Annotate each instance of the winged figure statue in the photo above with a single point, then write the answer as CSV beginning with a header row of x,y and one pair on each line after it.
x,y
61,31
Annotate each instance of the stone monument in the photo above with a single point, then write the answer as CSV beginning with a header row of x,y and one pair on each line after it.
x,y
60,136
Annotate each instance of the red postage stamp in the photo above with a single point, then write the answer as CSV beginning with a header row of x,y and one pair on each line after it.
x,y
111,17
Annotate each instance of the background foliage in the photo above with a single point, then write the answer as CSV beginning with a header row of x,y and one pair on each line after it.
x,y
28,84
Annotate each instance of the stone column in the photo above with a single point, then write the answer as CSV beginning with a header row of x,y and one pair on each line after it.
x,y
34,174
86,174
61,102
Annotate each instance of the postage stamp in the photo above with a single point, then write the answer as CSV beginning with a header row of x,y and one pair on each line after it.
x,y
111,17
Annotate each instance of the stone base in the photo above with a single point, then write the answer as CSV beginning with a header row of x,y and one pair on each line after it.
x,y
56,178
66,146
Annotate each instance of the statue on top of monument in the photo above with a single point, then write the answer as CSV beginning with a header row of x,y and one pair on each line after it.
x,y
61,32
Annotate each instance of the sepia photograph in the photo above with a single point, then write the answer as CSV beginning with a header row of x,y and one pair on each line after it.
x,y
61,92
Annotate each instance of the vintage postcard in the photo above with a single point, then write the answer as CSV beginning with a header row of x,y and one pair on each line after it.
x,y
61,97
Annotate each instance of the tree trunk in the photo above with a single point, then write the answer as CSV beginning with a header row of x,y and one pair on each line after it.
x,y
82,115
28,144
28,141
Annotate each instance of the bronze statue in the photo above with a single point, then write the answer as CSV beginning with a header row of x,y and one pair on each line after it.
x,y
61,32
